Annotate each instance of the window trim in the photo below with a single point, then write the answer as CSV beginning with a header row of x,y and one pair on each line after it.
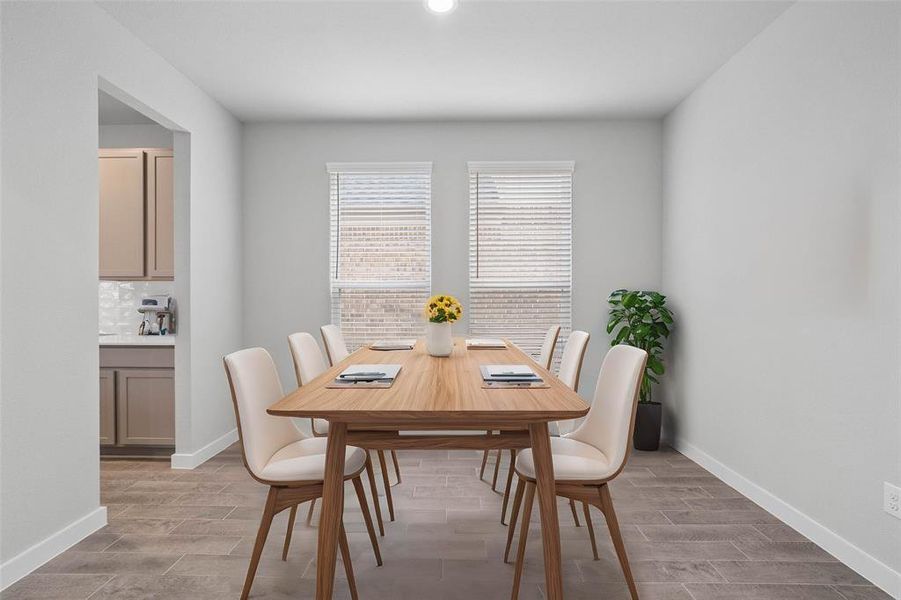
x,y
378,167
521,166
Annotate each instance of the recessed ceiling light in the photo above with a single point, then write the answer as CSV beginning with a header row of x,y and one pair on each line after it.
x,y
441,7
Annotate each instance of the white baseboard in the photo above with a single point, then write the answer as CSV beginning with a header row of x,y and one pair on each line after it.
x,y
866,565
21,565
195,459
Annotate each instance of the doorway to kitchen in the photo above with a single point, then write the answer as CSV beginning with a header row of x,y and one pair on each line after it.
x,y
139,313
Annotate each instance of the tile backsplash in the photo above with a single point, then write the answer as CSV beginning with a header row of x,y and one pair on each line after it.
x,y
119,302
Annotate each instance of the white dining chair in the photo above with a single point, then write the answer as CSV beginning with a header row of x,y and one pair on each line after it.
x,y
335,346
309,363
336,350
571,361
569,372
545,358
588,459
277,454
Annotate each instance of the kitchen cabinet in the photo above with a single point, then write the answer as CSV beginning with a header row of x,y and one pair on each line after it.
x,y
122,214
137,396
160,216
145,407
136,214
107,407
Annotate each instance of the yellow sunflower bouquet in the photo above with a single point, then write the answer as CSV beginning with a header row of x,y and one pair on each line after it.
x,y
443,309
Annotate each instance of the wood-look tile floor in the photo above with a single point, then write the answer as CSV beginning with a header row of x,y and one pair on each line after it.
x,y
188,534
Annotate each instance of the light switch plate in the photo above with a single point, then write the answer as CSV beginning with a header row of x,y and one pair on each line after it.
x,y
892,499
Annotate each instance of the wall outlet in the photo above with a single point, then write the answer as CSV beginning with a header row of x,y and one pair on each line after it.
x,y
891,500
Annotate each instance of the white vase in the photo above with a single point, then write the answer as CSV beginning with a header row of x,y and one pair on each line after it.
x,y
438,339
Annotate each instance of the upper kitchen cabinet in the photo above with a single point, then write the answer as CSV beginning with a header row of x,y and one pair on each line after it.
x,y
160,209
122,214
136,214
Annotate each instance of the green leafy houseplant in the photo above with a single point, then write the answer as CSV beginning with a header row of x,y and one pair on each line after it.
x,y
641,319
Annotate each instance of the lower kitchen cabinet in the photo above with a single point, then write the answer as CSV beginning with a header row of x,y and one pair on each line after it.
x,y
137,396
145,407
107,407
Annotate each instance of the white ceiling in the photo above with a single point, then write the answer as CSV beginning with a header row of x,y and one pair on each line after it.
x,y
114,112
328,60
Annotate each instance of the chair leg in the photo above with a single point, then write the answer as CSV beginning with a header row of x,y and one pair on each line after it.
x,y
514,514
396,466
310,511
262,534
497,467
291,518
367,517
345,558
572,507
370,472
613,526
594,545
523,537
384,468
485,454
509,486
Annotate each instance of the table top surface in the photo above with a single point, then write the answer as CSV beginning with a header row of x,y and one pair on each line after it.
x,y
433,391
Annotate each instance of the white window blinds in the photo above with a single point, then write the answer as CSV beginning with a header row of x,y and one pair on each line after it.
x,y
520,251
380,256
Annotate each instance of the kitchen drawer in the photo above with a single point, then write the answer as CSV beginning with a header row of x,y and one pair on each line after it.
x,y
136,357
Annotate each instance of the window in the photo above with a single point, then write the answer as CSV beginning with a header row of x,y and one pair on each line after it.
x,y
380,257
520,251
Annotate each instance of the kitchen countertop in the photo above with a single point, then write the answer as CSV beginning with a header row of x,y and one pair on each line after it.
x,y
137,340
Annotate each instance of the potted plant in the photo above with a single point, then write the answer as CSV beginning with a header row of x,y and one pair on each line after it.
x,y
641,319
441,311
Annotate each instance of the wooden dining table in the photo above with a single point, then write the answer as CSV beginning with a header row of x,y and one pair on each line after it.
x,y
434,403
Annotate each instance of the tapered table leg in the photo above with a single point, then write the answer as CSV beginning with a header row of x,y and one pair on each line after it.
x,y
547,504
332,510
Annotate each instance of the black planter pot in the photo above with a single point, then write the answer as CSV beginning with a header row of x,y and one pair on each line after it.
x,y
647,426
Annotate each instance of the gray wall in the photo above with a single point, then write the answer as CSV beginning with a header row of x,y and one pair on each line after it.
x,y
135,136
781,257
286,235
53,54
